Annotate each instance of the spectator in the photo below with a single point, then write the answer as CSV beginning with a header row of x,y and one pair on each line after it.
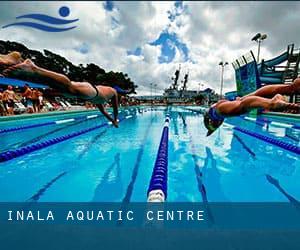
x,y
41,100
35,100
27,95
9,98
3,110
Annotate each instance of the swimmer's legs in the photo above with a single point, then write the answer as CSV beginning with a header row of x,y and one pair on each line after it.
x,y
11,58
282,89
29,66
250,102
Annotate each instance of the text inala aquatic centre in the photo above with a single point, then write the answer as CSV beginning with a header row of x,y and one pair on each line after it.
x,y
91,215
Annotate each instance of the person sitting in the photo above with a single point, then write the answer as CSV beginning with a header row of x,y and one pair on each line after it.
x,y
268,97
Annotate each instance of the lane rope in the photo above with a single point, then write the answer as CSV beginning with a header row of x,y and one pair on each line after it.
x,y
287,146
58,122
157,191
11,154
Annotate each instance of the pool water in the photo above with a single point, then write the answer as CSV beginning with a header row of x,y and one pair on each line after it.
x,y
115,165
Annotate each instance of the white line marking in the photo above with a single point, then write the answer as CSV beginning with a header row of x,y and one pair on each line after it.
x,y
91,116
279,124
250,118
64,121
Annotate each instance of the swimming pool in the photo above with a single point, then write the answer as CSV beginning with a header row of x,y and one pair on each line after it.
x,y
115,165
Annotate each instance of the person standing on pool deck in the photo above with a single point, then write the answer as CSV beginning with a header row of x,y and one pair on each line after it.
x,y
9,98
27,96
3,110
96,94
268,97
35,100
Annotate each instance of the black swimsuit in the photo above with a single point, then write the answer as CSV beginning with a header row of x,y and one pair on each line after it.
x,y
97,93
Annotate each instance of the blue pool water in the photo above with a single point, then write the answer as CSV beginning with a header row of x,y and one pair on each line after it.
x,y
110,164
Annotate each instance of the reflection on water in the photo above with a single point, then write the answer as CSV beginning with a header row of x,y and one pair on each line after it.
x,y
110,188
276,184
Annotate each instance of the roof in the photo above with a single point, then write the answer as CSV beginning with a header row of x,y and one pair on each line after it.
x,y
18,83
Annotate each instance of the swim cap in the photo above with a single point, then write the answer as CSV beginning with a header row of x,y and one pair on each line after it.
x,y
211,124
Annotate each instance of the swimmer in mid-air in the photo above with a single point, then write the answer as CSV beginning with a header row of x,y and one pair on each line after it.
x,y
96,94
268,97
9,59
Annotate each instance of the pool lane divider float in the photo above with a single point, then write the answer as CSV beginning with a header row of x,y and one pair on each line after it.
x,y
287,146
157,191
11,154
42,136
58,122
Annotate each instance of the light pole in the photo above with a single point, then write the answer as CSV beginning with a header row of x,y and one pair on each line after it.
x,y
259,38
151,89
222,64
200,85
155,85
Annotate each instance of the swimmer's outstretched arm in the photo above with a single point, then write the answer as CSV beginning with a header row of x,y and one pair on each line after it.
x,y
104,112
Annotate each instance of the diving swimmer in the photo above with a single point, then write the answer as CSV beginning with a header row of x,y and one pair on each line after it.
x,y
267,97
96,94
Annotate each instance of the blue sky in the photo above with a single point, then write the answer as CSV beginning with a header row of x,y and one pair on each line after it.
x,y
168,41
83,48
108,5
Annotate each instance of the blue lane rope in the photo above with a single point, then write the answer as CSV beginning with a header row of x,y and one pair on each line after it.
x,y
11,154
58,122
287,146
157,191
42,136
